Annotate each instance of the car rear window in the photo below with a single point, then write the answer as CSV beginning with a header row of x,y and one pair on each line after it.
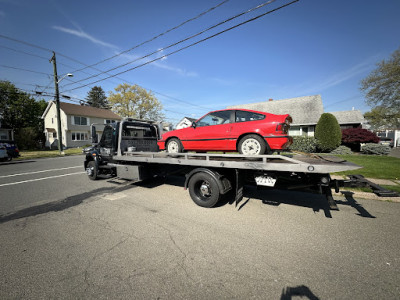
x,y
245,116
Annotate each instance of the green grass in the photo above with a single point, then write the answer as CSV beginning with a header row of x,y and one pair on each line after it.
x,y
381,167
27,154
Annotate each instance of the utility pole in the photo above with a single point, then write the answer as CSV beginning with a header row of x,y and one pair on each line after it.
x,y
59,134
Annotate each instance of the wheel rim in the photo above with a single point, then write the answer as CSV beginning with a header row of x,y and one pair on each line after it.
x,y
203,190
251,147
173,147
89,171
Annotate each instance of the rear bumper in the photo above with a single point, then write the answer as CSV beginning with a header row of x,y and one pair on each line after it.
x,y
279,142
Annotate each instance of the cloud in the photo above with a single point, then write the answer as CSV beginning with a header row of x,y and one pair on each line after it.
x,y
80,33
341,77
159,64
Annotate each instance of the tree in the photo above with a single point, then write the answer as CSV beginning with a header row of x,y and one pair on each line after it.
x,y
381,117
20,111
382,90
352,137
328,133
135,102
97,98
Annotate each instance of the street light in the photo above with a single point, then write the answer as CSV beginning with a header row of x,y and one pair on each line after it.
x,y
56,82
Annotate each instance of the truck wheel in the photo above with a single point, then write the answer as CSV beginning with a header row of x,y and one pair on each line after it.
x,y
174,146
252,144
91,170
204,190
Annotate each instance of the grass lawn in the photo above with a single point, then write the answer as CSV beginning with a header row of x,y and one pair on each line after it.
x,y
382,167
27,154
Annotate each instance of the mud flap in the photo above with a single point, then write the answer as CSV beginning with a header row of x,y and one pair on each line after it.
x,y
239,174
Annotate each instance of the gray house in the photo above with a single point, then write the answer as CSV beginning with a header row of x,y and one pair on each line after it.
x,y
305,112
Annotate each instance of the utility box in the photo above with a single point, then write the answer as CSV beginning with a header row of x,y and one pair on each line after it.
x,y
135,173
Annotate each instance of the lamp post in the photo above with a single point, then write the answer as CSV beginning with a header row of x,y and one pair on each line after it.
x,y
56,82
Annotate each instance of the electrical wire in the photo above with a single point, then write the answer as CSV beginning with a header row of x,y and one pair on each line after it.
x,y
155,37
176,43
188,46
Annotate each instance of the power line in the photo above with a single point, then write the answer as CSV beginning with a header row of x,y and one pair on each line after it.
x,y
188,46
155,37
26,70
176,43
122,79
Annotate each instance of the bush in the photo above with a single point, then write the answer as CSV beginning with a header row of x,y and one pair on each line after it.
x,y
328,133
306,144
352,137
375,149
342,150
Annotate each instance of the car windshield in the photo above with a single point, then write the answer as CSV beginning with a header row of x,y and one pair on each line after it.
x,y
215,118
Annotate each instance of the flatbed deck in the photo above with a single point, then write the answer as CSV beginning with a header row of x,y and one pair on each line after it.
x,y
285,163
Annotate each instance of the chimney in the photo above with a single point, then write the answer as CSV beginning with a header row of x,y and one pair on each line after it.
x,y
270,99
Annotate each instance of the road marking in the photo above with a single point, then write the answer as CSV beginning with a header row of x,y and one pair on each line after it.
x,y
50,170
44,178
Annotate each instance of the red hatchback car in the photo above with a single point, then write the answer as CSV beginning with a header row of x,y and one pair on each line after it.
x,y
247,131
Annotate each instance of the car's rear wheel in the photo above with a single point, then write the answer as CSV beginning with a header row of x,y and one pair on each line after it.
x,y
174,146
252,144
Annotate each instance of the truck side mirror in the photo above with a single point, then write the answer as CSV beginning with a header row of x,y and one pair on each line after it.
x,y
94,135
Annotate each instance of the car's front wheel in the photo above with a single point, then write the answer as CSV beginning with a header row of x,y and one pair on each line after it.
x,y
174,146
252,144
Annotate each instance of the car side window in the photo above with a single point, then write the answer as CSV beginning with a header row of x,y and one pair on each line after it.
x,y
215,118
246,116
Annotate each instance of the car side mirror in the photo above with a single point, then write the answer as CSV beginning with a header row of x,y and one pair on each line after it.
x,y
194,125
94,134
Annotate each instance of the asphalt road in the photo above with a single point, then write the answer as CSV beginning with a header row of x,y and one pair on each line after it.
x,y
149,241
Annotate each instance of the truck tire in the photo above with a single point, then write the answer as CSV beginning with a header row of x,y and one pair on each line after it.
x,y
174,146
204,190
252,144
92,170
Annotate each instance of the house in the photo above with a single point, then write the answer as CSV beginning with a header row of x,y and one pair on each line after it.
x,y
75,123
6,134
305,112
185,122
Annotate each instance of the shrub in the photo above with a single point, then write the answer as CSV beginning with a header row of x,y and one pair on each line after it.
x,y
306,144
328,133
342,150
352,137
375,149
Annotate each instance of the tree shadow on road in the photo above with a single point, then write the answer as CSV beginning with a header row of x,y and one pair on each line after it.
x,y
58,205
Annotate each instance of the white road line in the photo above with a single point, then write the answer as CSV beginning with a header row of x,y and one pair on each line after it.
x,y
44,178
50,170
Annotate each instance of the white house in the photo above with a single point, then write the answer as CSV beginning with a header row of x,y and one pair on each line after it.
x,y
185,122
305,112
75,123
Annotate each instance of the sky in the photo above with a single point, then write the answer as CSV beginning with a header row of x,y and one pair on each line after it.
x,y
183,52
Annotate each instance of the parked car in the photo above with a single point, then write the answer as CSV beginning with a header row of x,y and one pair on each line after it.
x,y
3,153
386,141
248,132
12,148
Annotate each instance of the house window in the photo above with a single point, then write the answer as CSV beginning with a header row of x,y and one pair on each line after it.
x,y
80,120
109,121
79,136
54,135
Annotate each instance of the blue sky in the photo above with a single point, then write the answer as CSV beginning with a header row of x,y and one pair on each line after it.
x,y
310,47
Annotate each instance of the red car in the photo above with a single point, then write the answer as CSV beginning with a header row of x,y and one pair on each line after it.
x,y
247,131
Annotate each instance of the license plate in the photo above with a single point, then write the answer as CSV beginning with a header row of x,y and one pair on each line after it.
x,y
265,180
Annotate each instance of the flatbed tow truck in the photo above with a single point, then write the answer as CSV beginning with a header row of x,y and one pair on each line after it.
x,y
128,150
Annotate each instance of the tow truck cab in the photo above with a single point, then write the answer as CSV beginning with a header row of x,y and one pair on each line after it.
x,y
117,138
